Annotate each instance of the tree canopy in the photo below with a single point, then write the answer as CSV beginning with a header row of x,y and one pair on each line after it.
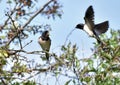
x,y
16,67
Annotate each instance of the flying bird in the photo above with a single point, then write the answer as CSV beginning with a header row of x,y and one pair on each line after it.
x,y
93,30
45,43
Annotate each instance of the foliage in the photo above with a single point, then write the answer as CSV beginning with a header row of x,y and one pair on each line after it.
x,y
104,67
16,67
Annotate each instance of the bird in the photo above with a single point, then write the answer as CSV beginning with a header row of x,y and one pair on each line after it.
x,y
45,43
92,29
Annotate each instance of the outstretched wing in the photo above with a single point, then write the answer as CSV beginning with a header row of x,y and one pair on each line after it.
x,y
89,17
101,27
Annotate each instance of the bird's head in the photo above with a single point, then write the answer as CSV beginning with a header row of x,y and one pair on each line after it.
x,y
45,34
79,26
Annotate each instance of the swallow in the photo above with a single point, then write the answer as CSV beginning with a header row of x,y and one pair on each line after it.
x,y
93,30
45,43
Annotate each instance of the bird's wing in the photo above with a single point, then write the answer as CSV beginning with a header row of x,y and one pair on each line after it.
x,y
89,17
48,44
101,27
45,45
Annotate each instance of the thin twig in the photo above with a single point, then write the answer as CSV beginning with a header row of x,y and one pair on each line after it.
x,y
74,70
12,52
57,80
72,77
41,70
20,42
68,36
39,11
4,83
13,22
12,12
27,44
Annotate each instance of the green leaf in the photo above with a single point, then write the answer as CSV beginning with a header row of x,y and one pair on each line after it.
x,y
2,37
67,83
3,53
90,63
9,1
29,83
16,83
78,63
87,79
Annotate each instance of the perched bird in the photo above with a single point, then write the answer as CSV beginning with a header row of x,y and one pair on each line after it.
x,y
45,43
93,30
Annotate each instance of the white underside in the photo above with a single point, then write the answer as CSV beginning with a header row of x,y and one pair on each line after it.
x,y
89,32
44,44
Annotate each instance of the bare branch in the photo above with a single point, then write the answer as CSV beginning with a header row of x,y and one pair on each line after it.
x,y
6,21
68,36
4,83
39,11
12,52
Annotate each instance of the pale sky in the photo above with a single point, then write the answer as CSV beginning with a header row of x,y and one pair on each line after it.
x,y
74,11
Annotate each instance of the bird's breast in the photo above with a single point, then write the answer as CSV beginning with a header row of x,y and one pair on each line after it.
x,y
88,30
45,44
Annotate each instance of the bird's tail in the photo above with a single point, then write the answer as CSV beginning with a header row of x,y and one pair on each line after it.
x,y
98,39
47,56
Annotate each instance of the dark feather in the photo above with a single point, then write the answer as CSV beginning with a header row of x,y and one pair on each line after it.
x,y
101,27
45,43
89,17
97,38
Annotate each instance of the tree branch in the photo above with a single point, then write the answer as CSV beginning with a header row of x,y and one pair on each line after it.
x,y
39,11
19,30
6,21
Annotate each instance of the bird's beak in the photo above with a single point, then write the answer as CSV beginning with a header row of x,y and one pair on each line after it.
x,y
75,26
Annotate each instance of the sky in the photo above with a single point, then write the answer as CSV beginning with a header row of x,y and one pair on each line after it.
x,y
73,14
74,11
